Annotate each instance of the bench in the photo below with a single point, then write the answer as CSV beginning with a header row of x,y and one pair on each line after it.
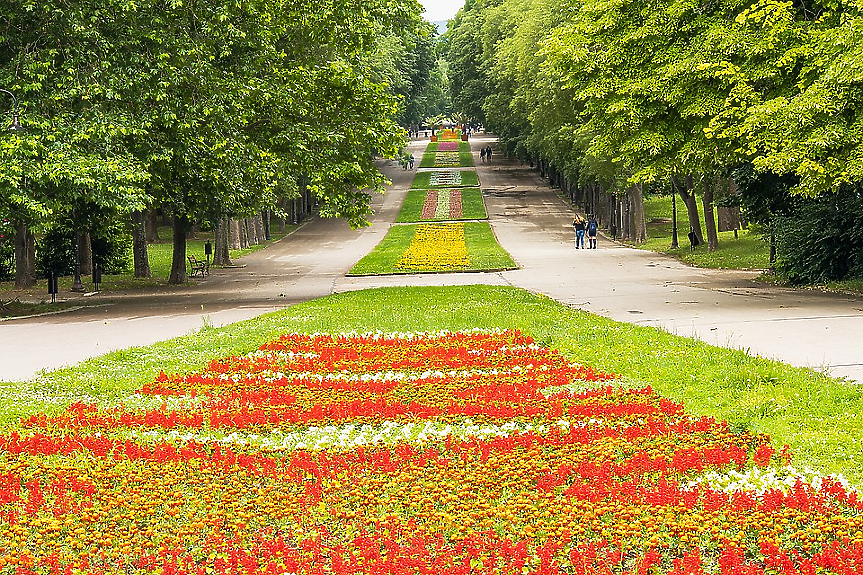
x,y
198,267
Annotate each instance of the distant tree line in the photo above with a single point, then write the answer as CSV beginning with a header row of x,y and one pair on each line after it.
x,y
757,104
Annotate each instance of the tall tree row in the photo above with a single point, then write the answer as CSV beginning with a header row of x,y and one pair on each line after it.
x,y
677,95
208,110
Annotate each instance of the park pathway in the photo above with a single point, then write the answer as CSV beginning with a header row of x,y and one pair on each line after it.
x,y
727,308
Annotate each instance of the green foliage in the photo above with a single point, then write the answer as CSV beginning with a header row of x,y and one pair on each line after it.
x,y
56,250
208,110
822,240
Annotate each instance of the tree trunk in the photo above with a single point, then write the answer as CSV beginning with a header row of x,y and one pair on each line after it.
x,y
687,194
152,226
180,228
283,204
640,231
772,259
221,251
674,243
625,230
234,235
139,245
251,236
266,217
85,253
259,228
709,215
25,264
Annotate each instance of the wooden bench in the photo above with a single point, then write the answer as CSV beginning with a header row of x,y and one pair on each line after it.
x,y
198,267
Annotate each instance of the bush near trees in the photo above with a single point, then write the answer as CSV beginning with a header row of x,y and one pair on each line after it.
x,y
607,98
207,111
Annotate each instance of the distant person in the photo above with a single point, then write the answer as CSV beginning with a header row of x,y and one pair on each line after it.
x,y
411,161
488,153
482,154
592,227
580,226
693,239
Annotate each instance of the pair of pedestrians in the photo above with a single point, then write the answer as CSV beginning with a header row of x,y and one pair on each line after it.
x,y
589,227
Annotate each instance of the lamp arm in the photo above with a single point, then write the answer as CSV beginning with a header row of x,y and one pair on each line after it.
x,y
14,99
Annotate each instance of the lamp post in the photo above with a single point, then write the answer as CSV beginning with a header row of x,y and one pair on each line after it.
x,y
16,122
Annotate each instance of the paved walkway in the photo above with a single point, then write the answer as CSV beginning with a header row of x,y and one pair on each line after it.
x,y
726,308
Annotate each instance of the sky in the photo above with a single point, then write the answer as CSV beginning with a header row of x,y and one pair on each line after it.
x,y
440,9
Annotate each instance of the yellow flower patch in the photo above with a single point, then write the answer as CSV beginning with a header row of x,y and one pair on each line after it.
x,y
436,247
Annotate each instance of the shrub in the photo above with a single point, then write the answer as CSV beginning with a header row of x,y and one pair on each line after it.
x,y
111,244
821,240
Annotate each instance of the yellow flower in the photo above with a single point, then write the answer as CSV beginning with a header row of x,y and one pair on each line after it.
x,y
436,247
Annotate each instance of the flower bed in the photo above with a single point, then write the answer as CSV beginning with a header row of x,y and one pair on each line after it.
x,y
465,452
445,178
439,247
447,160
443,154
442,205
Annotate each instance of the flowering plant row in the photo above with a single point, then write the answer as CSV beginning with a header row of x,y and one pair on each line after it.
x,y
447,147
445,178
450,452
436,247
442,205
447,159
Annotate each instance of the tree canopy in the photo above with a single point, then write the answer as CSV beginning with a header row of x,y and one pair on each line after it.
x,y
207,109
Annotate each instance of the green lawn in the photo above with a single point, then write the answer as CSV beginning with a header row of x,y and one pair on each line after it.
x,y
820,418
747,251
473,207
484,252
159,254
469,179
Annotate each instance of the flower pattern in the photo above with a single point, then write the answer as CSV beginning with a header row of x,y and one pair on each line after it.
x,y
436,247
477,451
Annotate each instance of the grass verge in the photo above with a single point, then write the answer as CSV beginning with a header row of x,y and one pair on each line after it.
x,y
484,253
820,418
473,207
159,254
747,251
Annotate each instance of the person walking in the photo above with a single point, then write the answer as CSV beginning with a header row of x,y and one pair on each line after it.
x,y
411,161
482,154
488,153
579,225
592,227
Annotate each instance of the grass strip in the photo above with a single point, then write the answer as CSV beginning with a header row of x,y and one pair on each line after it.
x,y
484,252
465,155
469,179
427,160
160,256
473,207
820,418
749,250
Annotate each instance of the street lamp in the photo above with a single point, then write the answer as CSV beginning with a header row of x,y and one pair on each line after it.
x,y
16,122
